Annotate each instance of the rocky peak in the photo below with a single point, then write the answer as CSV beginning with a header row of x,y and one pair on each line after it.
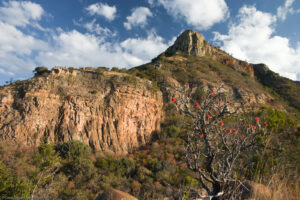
x,y
192,43
189,42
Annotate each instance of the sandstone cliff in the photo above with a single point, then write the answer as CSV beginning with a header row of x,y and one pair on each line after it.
x,y
106,111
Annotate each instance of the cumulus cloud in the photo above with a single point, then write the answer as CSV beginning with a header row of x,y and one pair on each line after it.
x,y
95,28
17,47
252,38
138,17
102,9
20,13
282,11
201,14
77,49
144,49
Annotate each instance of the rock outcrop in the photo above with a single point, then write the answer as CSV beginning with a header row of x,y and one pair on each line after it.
x,y
192,43
109,112
114,194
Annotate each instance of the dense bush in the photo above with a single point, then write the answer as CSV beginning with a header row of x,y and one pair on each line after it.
x,y
41,71
11,185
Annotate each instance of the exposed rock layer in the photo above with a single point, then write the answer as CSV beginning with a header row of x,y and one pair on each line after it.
x,y
105,112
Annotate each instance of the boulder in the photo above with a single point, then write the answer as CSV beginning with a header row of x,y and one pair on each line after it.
x,y
113,194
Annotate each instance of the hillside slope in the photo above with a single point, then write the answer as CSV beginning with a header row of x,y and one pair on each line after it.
x,y
120,111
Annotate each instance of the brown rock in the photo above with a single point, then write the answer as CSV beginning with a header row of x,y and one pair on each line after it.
x,y
114,194
61,107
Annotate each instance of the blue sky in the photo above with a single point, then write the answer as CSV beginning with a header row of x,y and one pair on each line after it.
x,y
128,33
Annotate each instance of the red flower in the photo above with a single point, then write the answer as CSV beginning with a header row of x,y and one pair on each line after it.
x,y
234,130
173,99
265,124
248,127
208,116
201,135
212,91
221,123
256,119
253,127
196,105
229,131
243,135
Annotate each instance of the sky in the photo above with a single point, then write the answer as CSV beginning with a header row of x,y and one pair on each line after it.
x,y
128,33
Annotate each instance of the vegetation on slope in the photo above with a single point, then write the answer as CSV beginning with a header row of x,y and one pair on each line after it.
x,y
71,171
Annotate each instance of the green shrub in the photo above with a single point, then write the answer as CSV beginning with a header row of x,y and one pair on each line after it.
x,y
189,181
170,109
46,156
130,79
71,69
73,150
172,131
114,69
76,158
39,71
11,185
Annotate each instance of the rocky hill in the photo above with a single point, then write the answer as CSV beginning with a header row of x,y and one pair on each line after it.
x,y
120,111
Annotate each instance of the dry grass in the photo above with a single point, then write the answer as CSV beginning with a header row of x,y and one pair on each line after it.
x,y
281,188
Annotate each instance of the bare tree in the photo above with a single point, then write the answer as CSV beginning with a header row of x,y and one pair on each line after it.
x,y
215,148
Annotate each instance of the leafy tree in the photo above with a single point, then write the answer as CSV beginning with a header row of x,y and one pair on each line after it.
x,y
76,158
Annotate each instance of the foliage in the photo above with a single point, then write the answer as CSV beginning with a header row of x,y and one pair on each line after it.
x,y
11,185
46,156
76,155
38,71
71,69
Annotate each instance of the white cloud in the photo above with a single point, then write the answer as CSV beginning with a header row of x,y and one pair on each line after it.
x,y
103,9
14,41
282,11
17,47
20,13
145,49
95,28
151,2
252,38
4,72
138,17
76,49
201,14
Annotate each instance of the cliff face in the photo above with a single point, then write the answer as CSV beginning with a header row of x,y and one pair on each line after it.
x,y
108,112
